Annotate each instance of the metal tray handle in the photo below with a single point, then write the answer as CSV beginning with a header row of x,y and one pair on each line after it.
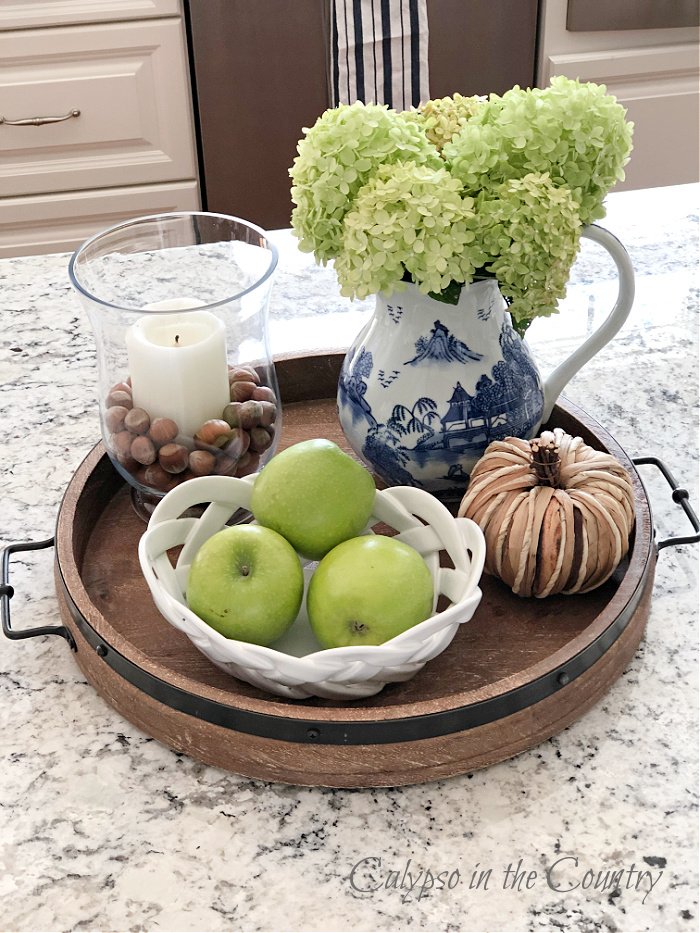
x,y
678,495
6,593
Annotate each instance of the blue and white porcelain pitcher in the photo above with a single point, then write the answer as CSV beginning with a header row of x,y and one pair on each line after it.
x,y
427,385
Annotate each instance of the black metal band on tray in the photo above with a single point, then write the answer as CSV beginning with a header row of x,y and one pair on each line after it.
x,y
365,732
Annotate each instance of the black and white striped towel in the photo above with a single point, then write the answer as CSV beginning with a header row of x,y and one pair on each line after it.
x,y
379,52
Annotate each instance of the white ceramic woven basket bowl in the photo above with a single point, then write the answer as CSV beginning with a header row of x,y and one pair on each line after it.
x,y
296,667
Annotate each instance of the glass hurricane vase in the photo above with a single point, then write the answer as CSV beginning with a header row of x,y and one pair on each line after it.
x,y
186,384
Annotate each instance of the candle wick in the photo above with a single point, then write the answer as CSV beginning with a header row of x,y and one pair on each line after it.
x,y
177,339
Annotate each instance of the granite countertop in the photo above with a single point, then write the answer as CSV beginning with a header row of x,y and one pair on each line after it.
x,y
102,827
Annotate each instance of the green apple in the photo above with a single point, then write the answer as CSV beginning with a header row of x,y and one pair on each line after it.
x,y
368,590
315,495
247,583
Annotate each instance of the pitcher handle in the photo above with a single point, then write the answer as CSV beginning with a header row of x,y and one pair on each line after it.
x,y
625,296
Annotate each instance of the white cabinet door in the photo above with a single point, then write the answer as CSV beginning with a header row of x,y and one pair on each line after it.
x,y
56,223
26,14
129,82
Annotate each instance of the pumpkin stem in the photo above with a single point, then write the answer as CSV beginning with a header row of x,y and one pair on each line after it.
x,y
545,459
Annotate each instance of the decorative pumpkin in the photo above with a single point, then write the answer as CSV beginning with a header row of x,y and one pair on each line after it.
x,y
555,513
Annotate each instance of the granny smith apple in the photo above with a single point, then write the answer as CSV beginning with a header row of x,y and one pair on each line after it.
x,y
246,582
368,590
315,495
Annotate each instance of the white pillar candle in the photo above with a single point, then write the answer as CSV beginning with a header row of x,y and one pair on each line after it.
x,y
177,364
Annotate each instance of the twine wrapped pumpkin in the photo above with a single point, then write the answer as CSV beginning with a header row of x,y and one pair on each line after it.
x,y
555,513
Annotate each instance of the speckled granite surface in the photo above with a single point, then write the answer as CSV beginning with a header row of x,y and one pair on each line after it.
x,y
103,828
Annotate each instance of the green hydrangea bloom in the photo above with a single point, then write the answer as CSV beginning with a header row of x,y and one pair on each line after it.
x,y
461,186
408,217
337,156
530,228
575,132
443,117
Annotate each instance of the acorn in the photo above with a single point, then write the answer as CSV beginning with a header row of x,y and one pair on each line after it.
x,y
225,466
120,397
238,444
250,414
260,440
242,391
155,476
264,394
137,421
243,373
213,433
143,450
202,462
162,431
174,458
230,414
114,418
269,414
121,387
121,445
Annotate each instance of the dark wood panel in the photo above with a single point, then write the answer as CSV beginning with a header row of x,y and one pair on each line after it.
x,y
481,46
260,76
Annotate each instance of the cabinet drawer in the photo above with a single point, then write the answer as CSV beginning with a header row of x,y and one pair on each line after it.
x,y
56,223
25,14
129,82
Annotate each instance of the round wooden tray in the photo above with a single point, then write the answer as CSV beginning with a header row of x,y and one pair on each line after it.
x,y
518,673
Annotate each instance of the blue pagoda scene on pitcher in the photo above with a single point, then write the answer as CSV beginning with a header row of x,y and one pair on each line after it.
x,y
436,426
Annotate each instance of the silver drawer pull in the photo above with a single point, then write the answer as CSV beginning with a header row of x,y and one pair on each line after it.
x,y
40,121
